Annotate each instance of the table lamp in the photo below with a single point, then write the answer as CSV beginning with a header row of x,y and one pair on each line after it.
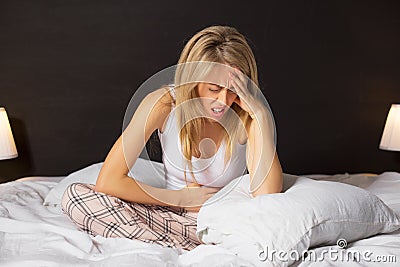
x,y
7,144
391,133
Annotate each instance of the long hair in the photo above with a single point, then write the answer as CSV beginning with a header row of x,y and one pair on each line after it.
x,y
218,44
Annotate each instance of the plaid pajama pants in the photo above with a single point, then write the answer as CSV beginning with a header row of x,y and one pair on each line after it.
x,y
100,214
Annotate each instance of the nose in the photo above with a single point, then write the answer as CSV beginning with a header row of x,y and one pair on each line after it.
x,y
223,96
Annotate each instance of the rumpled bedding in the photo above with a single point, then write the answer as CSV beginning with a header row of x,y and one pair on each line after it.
x,y
309,213
35,235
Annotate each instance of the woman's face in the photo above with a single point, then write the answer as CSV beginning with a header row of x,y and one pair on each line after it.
x,y
215,99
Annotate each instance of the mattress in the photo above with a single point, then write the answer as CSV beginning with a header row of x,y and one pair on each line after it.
x,y
32,234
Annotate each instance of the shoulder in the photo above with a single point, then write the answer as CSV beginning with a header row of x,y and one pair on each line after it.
x,y
159,93
160,102
159,99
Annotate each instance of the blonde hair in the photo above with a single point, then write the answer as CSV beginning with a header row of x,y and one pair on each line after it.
x,y
219,44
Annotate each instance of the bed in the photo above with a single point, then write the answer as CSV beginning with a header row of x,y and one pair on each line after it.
x,y
35,232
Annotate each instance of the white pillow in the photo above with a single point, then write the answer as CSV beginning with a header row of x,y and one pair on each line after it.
x,y
146,171
309,213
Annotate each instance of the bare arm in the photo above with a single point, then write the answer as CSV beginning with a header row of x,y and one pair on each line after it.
x,y
113,178
113,181
265,176
261,157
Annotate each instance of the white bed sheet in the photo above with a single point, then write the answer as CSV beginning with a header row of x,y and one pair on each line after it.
x,y
35,235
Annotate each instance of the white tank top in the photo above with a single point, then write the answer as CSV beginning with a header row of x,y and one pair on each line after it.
x,y
209,172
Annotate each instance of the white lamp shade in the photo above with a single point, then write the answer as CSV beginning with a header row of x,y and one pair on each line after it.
x,y
7,144
391,134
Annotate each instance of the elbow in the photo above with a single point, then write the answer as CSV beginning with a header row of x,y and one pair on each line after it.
x,y
275,190
99,187
102,185
266,191
111,185
269,188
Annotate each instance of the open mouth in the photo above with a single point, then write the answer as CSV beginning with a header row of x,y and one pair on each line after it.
x,y
217,110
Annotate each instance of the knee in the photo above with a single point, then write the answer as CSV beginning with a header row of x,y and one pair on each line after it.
x,y
72,196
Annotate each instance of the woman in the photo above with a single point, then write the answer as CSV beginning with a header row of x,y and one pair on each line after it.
x,y
119,206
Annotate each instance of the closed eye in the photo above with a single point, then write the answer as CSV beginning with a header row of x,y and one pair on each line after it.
x,y
218,90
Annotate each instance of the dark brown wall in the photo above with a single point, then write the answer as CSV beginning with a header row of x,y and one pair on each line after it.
x,y
329,69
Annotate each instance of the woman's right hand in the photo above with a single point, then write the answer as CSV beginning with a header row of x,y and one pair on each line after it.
x,y
193,196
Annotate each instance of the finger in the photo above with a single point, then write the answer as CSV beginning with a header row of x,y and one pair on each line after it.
x,y
193,209
240,75
235,77
244,100
243,91
238,88
193,185
230,86
241,85
211,189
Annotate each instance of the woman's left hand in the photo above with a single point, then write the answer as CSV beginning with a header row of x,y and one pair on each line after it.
x,y
196,208
245,100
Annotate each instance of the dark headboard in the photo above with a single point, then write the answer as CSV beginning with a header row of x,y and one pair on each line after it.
x,y
329,69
